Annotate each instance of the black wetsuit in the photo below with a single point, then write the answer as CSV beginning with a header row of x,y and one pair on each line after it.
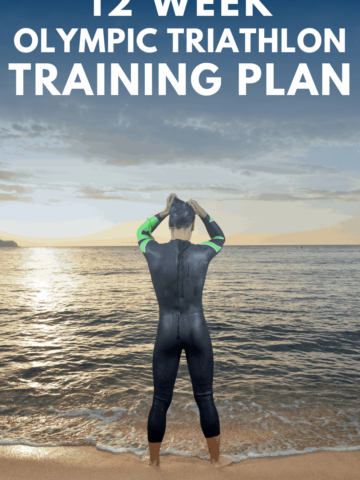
x,y
178,269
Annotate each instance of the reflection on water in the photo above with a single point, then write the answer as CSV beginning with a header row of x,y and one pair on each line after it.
x,y
77,330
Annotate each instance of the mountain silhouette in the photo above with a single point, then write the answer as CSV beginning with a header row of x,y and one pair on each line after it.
x,y
8,243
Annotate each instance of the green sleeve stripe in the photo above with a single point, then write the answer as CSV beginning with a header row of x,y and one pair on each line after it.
x,y
222,238
149,225
138,233
143,245
215,247
211,219
153,222
140,237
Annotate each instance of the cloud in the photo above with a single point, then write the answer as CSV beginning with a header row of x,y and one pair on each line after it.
x,y
7,176
5,197
93,193
15,188
340,196
222,193
19,128
52,202
16,193
139,137
271,197
313,195
244,145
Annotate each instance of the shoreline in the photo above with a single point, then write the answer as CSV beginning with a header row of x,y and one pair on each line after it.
x,y
89,463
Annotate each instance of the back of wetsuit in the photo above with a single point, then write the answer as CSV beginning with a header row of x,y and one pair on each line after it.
x,y
178,268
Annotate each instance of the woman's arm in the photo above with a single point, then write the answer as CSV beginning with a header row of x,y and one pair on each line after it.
x,y
217,237
145,230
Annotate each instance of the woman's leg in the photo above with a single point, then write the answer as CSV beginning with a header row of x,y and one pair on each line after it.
x,y
166,360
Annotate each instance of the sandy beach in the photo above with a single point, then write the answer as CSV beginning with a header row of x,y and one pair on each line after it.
x,y
18,462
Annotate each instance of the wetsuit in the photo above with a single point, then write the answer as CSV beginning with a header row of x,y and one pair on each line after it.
x,y
178,269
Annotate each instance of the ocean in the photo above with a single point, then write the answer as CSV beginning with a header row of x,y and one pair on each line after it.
x,y
78,326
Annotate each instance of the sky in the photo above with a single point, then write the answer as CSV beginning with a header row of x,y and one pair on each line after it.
x,y
78,164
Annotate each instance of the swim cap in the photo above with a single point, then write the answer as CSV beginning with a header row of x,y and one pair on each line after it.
x,y
181,214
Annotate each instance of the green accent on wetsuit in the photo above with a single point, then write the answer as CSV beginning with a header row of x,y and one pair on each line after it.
x,y
210,242
146,228
141,237
216,247
143,244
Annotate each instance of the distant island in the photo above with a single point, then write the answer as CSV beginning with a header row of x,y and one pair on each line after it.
x,y
8,243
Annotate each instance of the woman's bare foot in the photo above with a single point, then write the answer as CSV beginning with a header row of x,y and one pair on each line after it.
x,y
222,462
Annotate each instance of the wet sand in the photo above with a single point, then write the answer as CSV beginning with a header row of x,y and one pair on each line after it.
x,y
18,462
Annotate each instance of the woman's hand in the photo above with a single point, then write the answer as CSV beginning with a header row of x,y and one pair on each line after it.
x,y
197,209
169,201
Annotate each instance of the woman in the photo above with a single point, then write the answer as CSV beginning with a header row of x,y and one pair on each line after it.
x,y
178,269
